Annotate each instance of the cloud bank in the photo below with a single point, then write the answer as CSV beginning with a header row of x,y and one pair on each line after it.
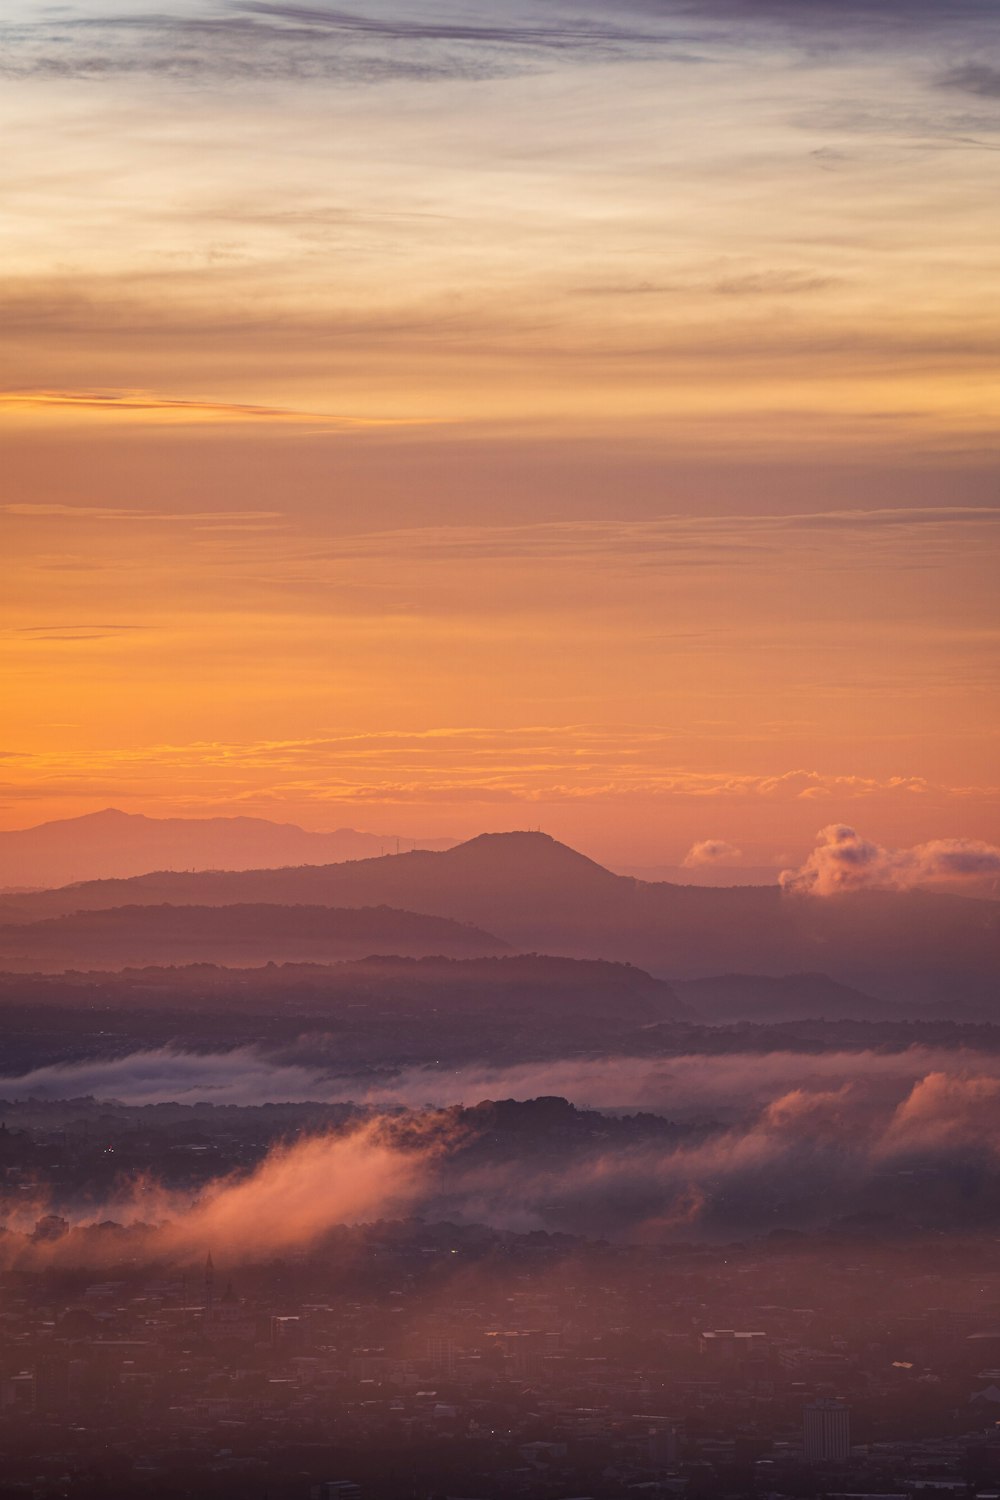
x,y
925,1148
844,861
696,1085
296,1194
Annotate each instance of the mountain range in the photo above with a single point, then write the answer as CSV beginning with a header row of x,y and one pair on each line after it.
x,y
537,895
117,844
360,1018
242,934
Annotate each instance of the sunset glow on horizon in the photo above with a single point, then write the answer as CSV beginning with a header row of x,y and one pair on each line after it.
x,y
437,418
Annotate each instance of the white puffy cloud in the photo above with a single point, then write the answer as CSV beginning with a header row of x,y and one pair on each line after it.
x,y
844,861
712,852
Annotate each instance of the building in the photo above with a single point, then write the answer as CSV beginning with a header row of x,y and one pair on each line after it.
x,y
285,1331
826,1432
661,1446
441,1352
225,1318
725,1346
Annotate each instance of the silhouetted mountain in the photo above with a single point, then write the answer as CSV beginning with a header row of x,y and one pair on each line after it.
x,y
578,985
704,874
117,844
775,998
238,934
528,877
355,1017
537,894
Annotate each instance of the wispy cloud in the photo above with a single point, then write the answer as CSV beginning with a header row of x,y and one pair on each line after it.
x,y
490,32
274,42
123,513
890,16
678,535
979,78
562,764
39,634
149,405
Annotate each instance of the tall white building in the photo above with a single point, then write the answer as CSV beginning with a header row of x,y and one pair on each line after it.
x,y
826,1432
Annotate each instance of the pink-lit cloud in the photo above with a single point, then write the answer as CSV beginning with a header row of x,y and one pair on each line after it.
x,y
845,861
712,852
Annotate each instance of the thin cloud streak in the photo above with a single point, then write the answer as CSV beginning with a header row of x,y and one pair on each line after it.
x,y
120,513
574,539
695,1082
288,43
146,404
560,765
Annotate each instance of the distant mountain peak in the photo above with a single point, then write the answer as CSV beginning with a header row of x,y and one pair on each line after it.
x,y
529,848
104,815
525,838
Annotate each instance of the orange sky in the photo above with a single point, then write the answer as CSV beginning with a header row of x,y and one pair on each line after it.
x,y
445,417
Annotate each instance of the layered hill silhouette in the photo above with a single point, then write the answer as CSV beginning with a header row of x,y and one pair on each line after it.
x,y
356,1020
567,986
242,934
518,874
766,999
539,895
113,844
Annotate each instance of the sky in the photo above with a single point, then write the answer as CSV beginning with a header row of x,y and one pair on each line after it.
x,y
437,417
